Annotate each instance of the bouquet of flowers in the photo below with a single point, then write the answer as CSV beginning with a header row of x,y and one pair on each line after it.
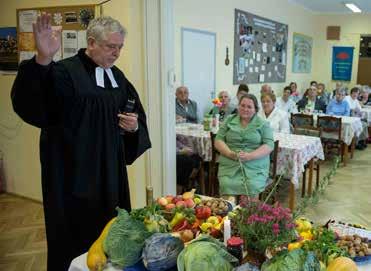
x,y
217,104
263,226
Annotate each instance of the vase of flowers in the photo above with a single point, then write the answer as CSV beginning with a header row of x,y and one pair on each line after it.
x,y
262,226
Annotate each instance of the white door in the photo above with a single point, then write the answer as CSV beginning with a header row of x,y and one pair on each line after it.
x,y
198,67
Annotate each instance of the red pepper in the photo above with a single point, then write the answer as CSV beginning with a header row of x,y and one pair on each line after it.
x,y
182,225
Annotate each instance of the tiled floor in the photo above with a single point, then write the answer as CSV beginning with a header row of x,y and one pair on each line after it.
x,y
348,197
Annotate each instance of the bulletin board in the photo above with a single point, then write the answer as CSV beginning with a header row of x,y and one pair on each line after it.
x,y
260,49
72,20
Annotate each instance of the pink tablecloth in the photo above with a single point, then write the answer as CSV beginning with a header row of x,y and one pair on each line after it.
x,y
294,152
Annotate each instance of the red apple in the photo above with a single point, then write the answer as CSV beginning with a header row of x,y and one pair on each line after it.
x,y
189,203
170,206
177,198
180,203
162,201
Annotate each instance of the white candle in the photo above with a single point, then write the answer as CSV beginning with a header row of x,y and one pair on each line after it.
x,y
227,230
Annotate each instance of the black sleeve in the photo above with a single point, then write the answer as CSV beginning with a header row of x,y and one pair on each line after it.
x,y
138,142
301,104
32,94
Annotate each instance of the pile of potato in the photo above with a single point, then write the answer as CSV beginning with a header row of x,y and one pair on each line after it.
x,y
217,206
355,245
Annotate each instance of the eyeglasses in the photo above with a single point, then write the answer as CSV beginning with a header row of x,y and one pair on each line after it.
x,y
110,46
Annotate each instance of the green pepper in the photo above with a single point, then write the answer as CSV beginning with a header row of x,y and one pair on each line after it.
x,y
177,217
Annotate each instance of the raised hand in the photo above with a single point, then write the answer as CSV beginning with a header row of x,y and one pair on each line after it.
x,y
47,40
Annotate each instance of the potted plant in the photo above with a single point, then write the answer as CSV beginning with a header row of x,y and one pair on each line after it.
x,y
262,226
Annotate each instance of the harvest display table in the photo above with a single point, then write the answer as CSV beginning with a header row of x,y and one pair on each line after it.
x,y
79,264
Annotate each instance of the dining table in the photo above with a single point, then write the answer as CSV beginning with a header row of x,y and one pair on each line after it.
x,y
295,152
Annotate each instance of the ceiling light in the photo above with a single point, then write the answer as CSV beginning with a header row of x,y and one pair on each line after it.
x,y
353,7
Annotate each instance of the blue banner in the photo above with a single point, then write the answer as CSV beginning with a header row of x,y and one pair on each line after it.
x,y
342,62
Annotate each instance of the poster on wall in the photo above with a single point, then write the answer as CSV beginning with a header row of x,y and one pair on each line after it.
x,y
72,21
301,53
342,63
260,49
8,49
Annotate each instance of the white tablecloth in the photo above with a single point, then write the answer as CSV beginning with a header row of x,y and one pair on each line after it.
x,y
366,114
350,127
199,139
79,264
295,151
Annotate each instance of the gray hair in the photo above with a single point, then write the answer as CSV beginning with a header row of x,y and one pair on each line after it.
x,y
221,93
99,28
342,91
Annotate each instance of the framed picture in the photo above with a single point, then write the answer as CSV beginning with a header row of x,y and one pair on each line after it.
x,y
8,49
302,53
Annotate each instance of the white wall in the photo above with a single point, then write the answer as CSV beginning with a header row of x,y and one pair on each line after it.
x,y
218,16
351,28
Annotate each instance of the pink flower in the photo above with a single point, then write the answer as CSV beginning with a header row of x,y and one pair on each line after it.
x,y
276,228
290,226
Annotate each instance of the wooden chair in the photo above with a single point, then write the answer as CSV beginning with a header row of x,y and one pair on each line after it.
x,y
331,135
213,184
316,132
300,120
272,179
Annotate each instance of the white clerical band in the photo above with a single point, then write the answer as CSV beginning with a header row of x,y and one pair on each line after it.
x,y
99,76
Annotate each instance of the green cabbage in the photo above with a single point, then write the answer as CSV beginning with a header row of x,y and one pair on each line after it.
x,y
125,240
295,260
205,253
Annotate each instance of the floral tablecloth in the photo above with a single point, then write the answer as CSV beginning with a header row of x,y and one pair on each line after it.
x,y
366,114
199,139
295,151
350,127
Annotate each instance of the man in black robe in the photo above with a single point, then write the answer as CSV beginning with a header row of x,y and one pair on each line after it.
x,y
92,125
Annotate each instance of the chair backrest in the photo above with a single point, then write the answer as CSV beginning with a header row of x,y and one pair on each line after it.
x,y
273,161
308,131
214,151
301,120
330,125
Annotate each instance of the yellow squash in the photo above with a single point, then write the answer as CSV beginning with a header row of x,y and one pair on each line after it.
x,y
96,259
342,264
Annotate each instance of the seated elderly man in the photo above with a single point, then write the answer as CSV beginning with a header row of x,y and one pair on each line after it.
x,y
186,109
311,103
265,89
285,103
338,86
338,106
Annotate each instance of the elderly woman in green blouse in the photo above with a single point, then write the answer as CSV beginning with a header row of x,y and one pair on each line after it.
x,y
244,141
